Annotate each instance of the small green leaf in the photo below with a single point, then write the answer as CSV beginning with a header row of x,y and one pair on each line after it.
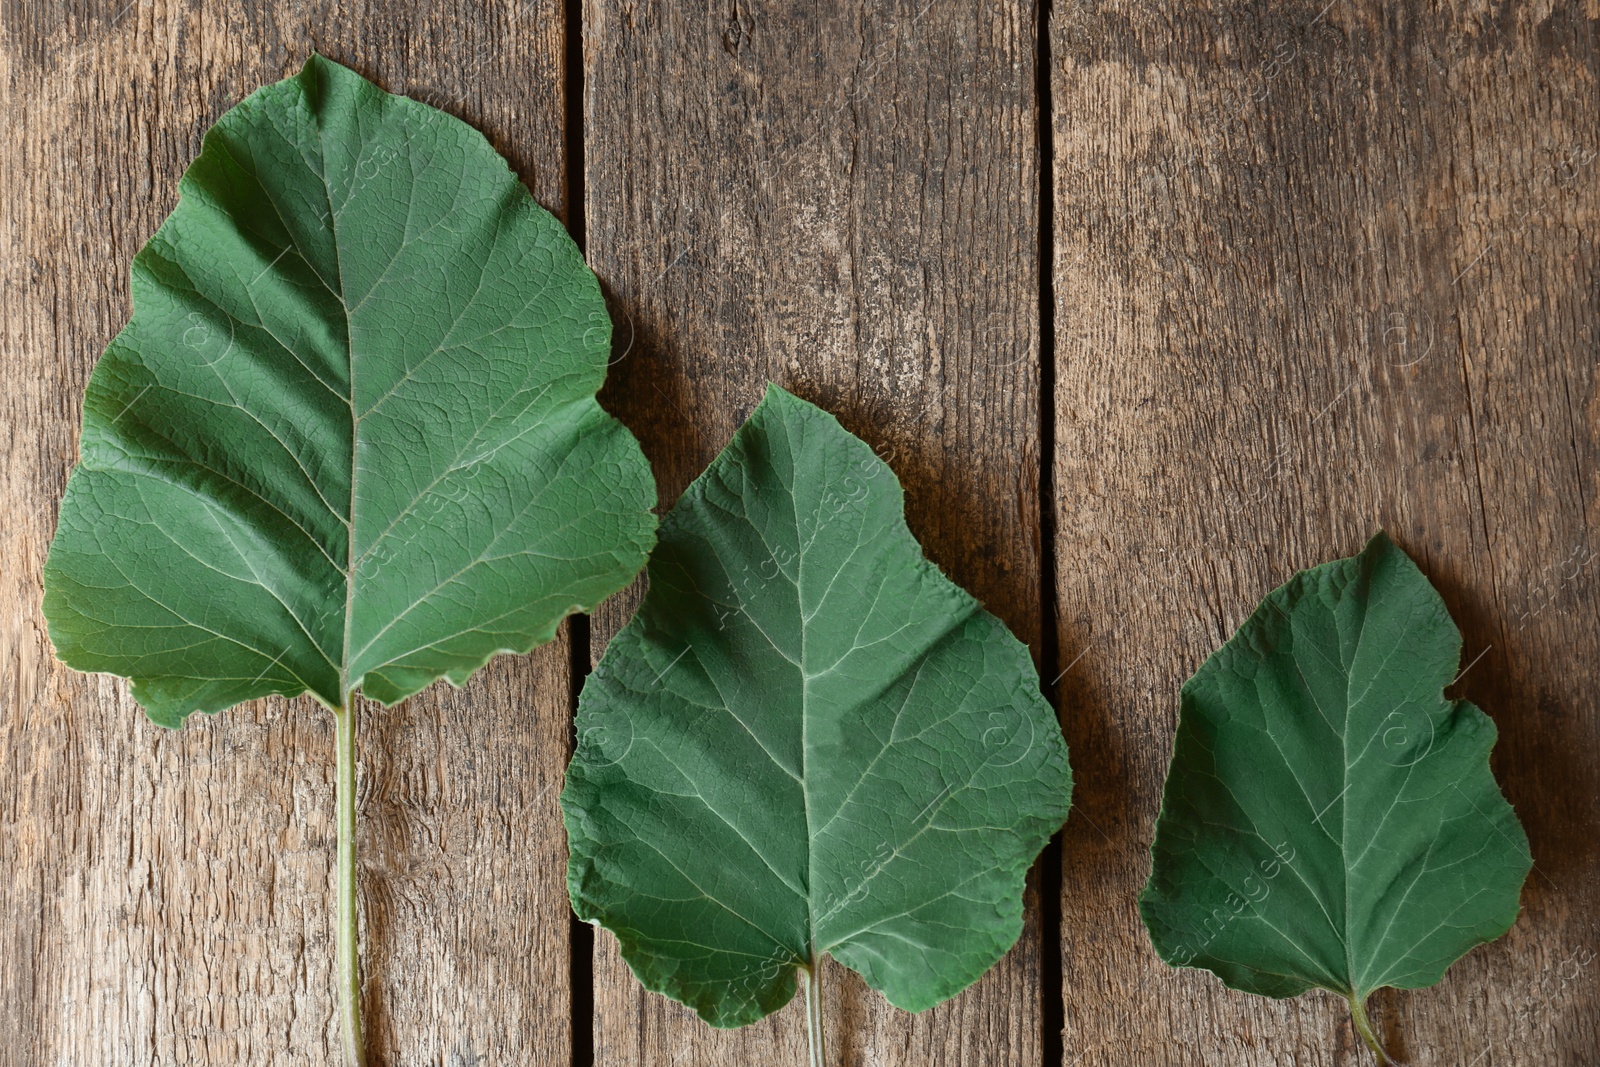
x,y
807,740
349,437
1329,819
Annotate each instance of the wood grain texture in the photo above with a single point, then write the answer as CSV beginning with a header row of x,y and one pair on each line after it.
x,y
1316,270
1320,269
843,200
165,897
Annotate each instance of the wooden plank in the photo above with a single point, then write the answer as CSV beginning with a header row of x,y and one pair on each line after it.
x,y
1320,269
166,897
841,200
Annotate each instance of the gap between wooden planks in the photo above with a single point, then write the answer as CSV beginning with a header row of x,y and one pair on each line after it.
x,y
1314,267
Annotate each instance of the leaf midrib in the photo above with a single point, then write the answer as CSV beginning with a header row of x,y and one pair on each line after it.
x,y
801,549
355,422
1344,794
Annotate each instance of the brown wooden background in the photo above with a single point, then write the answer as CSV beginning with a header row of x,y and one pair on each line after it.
x,y
1149,305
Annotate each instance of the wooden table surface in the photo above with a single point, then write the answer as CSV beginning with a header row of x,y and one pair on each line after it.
x,y
1149,305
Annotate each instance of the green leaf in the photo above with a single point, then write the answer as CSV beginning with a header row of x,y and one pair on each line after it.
x,y
1329,819
349,437
807,740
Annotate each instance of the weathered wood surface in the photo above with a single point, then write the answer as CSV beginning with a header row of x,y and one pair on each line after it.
x,y
842,201
166,897
1320,268
1315,270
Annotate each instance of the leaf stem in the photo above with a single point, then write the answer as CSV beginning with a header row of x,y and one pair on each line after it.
x,y
355,1052
813,979
1358,1015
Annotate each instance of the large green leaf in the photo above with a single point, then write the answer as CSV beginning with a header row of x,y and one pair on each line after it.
x,y
349,437
807,740
1329,818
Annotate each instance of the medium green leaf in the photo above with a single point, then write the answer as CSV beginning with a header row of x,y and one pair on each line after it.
x,y
1329,819
349,437
807,740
